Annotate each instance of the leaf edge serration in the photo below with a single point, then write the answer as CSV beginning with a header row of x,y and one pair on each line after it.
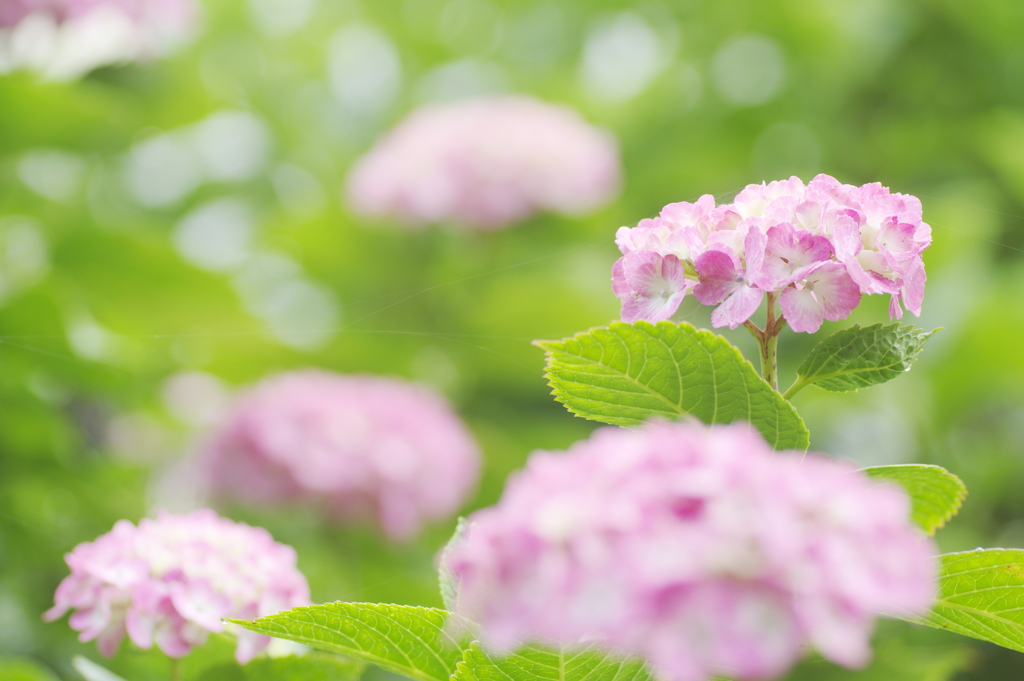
x,y
803,435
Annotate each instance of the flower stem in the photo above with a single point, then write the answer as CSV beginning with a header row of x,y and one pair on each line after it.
x,y
176,669
769,343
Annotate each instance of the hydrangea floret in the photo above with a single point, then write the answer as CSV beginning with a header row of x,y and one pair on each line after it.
x,y
816,249
697,548
486,163
171,581
358,447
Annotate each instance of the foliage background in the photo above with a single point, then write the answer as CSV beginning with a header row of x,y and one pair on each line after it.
x,y
100,302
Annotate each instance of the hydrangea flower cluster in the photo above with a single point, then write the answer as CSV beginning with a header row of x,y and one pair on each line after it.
x,y
819,247
486,163
65,38
173,579
698,548
359,446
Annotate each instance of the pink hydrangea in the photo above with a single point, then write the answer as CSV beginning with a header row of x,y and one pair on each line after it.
x,y
819,246
697,548
359,446
486,163
66,38
172,580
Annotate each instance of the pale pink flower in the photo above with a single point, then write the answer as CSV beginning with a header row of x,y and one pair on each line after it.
x,y
656,285
64,39
723,279
486,163
360,447
788,254
697,548
872,238
825,292
171,581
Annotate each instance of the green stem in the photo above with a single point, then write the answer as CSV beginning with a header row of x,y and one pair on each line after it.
x,y
176,669
797,386
770,345
769,360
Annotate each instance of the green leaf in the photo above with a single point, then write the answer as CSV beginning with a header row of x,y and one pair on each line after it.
x,y
312,667
24,669
533,663
861,357
935,493
404,639
626,373
448,580
981,594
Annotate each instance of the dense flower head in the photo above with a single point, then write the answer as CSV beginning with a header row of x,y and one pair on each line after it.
x,y
698,548
486,163
66,38
361,447
819,246
172,580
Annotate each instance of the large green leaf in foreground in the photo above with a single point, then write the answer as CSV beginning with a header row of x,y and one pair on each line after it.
x,y
860,357
312,667
539,664
624,374
407,640
981,594
414,642
935,493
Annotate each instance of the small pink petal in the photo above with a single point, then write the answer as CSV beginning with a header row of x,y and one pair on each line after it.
x,y
913,286
801,310
657,286
619,286
828,292
754,245
895,311
737,308
838,293
719,274
897,238
110,638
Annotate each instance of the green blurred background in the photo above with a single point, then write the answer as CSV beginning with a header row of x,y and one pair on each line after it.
x,y
247,132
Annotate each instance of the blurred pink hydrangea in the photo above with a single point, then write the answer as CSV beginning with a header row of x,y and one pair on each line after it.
x,y
486,163
173,579
820,246
64,39
360,446
697,548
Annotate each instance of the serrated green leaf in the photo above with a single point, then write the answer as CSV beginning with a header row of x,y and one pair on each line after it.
x,y
861,357
404,639
312,667
447,580
624,374
532,663
935,493
981,594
